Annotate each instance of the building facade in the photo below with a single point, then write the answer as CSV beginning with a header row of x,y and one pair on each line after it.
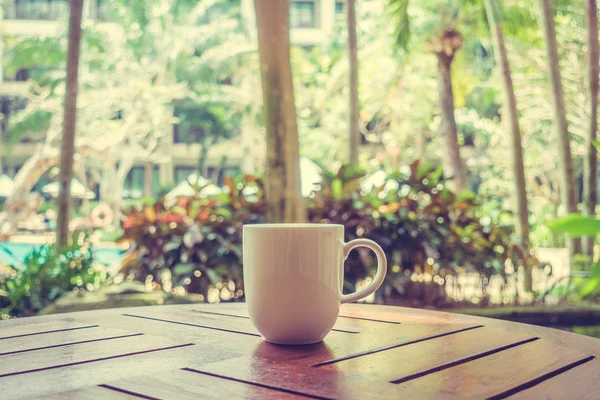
x,y
311,22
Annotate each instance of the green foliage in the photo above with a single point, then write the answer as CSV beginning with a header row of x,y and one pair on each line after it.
x,y
45,275
576,225
196,241
422,227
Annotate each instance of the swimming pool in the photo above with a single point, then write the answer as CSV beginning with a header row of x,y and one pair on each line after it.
x,y
11,252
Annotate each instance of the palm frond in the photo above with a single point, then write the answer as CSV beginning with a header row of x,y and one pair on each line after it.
x,y
397,11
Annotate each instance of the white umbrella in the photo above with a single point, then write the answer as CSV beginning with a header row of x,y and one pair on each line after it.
x,y
184,189
77,190
310,176
376,180
6,185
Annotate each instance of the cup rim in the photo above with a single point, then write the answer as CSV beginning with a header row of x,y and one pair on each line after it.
x,y
291,225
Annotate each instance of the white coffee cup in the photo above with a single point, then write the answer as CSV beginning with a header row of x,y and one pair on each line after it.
x,y
293,279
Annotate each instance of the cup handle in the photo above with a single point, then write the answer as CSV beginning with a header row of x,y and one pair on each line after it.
x,y
381,268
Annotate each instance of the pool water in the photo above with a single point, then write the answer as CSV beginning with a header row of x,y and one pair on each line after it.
x,y
11,253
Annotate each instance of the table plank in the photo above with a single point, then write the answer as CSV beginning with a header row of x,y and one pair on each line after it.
x,y
91,392
23,363
343,324
414,360
61,338
183,384
581,382
40,384
334,349
498,373
227,322
432,355
33,327
301,379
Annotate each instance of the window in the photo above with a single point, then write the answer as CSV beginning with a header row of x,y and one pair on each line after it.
x,y
37,9
25,74
339,9
134,183
302,14
191,126
184,133
102,10
182,173
8,107
228,172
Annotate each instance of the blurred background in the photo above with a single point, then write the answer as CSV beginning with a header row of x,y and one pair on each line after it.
x,y
460,135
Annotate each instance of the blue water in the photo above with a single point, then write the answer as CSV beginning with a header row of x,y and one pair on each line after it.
x,y
14,253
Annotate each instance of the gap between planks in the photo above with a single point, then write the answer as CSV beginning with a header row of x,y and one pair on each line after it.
x,y
52,331
190,324
70,344
462,361
341,316
96,360
540,379
393,346
129,392
246,317
271,387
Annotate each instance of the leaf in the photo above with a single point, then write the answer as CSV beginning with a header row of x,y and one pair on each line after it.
x,y
575,225
593,284
465,195
596,144
183,269
337,189
213,276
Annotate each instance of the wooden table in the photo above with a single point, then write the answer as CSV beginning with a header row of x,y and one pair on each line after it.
x,y
213,351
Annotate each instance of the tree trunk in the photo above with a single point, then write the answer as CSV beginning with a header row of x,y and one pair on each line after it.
x,y
69,119
148,169
510,106
453,164
285,203
590,172
567,176
354,132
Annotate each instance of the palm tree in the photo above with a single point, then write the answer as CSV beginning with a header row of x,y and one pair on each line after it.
x,y
283,169
565,163
590,174
354,131
443,41
510,106
69,119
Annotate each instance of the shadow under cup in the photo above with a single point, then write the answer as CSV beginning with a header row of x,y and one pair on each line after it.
x,y
293,277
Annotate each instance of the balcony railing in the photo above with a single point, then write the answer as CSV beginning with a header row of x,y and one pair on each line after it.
x,y
36,10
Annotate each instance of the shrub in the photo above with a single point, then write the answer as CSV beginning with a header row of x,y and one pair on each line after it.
x,y
195,243
45,275
419,223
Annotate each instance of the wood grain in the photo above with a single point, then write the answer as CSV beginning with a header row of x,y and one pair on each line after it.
x,y
52,358
497,373
343,324
183,384
80,376
308,381
91,392
581,382
60,338
31,327
411,361
431,355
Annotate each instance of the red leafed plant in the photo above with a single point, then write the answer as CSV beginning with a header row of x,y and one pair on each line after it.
x,y
194,242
